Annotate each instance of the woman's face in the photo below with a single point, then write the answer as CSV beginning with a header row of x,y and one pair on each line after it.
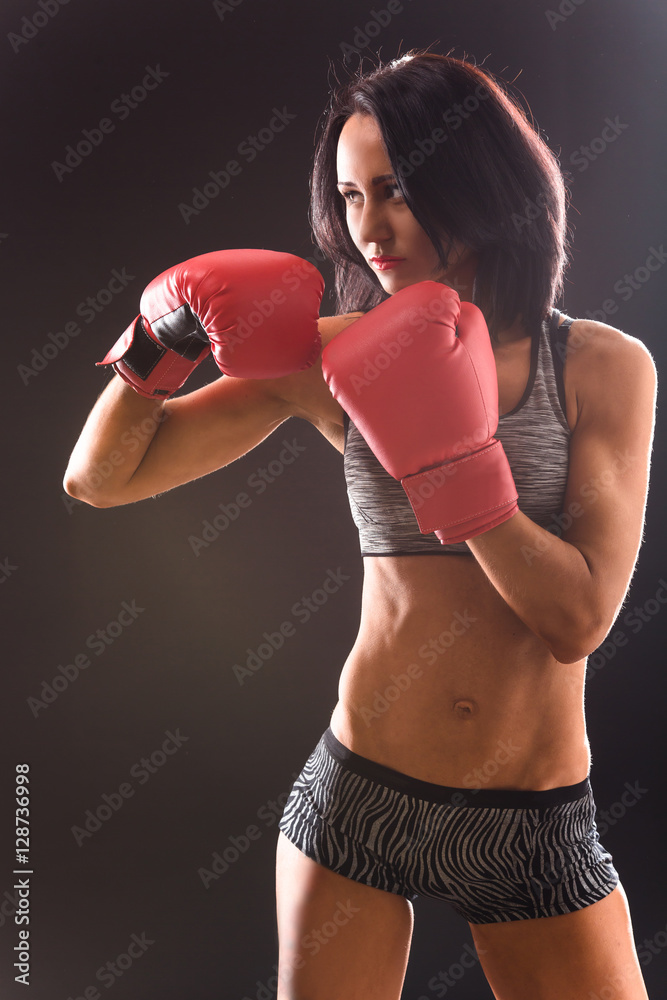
x,y
380,223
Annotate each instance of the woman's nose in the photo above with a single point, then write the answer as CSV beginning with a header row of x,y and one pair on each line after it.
x,y
374,225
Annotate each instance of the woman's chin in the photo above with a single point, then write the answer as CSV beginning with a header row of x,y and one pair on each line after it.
x,y
392,283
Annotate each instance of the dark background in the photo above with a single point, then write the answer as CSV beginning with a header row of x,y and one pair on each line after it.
x,y
68,568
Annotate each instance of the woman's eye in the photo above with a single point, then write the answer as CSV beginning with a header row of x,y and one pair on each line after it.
x,y
391,191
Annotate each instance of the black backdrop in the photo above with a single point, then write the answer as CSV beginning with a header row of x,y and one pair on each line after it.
x,y
121,629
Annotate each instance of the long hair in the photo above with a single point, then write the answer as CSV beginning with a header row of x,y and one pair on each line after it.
x,y
469,164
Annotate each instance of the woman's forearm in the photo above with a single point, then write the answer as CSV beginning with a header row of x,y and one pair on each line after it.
x,y
112,444
548,583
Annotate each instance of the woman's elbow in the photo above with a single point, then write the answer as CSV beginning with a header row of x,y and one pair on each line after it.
x,y
575,639
78,488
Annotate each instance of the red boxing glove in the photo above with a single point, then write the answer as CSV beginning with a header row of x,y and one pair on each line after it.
x,y
256,309
424,395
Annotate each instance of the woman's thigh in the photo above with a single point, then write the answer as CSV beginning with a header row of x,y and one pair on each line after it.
x,y
586,954
337,937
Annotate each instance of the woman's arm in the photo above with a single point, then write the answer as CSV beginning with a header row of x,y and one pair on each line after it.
x,y
569,589
195,307
131,447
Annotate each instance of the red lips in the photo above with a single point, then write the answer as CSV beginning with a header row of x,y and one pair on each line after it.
x,y
385,263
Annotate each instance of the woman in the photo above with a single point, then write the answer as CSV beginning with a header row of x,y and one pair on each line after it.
x,y
456,762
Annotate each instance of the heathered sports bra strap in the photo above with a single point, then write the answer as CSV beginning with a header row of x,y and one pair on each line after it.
x,y
559,350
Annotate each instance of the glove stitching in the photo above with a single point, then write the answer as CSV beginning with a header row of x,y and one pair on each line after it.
x,y
459,461
163,376
462,520
314,354
487,527
417,477
479,387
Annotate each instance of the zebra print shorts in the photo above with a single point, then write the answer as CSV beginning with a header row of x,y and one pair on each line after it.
x,y
494,855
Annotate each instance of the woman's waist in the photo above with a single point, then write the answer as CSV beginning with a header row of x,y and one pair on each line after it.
x,y
475,721
480,787
508,758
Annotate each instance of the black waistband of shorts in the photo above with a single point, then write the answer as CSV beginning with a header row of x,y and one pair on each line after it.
x,y
500,798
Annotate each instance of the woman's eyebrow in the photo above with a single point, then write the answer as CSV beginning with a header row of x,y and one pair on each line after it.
x,y
374,180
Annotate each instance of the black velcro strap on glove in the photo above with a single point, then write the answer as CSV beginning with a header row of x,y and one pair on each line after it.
x,y
143,353
180,331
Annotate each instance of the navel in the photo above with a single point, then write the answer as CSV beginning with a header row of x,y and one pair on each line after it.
x,y
464,708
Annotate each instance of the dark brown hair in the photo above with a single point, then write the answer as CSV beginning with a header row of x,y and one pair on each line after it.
x,y
469,164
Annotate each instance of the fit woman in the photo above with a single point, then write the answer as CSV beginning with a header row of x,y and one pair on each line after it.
x,y
456,762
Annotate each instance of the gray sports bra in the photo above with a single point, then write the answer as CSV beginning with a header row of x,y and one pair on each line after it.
x,y
535,436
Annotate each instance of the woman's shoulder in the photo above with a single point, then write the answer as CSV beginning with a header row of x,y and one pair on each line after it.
x,y
331,326
305,394
591,342
604,362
